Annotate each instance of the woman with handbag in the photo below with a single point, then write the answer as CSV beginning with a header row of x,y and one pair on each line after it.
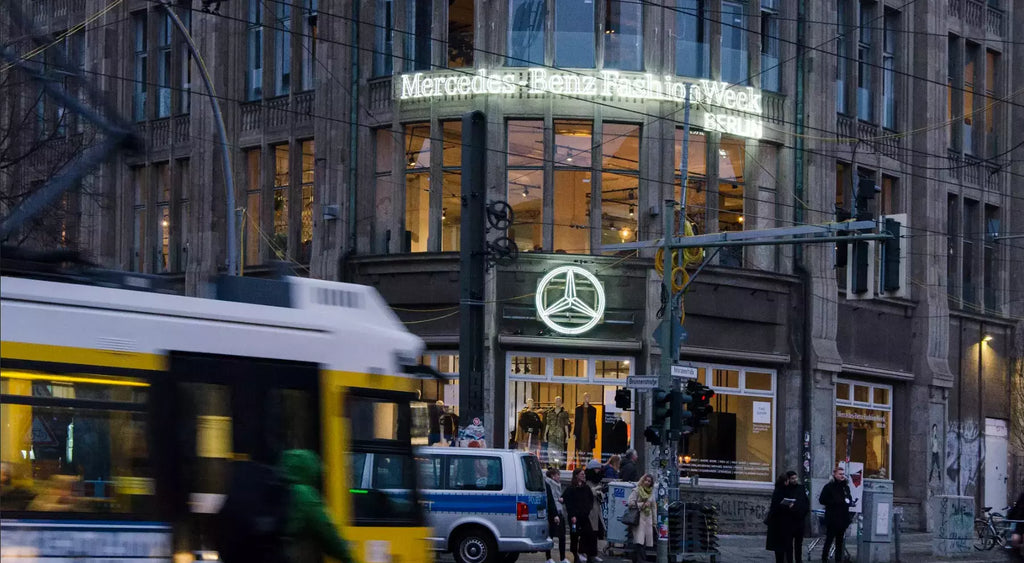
x,y
640,509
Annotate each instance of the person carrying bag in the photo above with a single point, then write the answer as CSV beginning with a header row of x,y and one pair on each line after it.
x,y
640,509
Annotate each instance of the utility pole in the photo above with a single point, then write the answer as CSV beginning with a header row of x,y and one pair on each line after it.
x,y
668,480
472,262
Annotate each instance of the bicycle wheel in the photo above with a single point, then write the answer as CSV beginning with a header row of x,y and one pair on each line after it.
x,y
984,539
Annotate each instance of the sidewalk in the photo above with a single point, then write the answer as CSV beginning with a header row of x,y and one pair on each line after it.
x,y
914,548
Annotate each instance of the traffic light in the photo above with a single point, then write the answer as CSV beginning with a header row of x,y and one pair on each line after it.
x,y
661,403
677,414
623,399
842,248
859,276
700,403
891,256
866,190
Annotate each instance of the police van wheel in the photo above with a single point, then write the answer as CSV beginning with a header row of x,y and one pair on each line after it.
x,y
475,546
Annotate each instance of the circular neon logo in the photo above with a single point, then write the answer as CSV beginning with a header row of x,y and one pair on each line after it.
x,y
570,300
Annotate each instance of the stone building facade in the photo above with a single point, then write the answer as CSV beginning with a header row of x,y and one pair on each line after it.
x,y
345,139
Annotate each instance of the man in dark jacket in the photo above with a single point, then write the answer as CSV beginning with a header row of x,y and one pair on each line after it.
x,y
629,470
836,498
308,525
1017,535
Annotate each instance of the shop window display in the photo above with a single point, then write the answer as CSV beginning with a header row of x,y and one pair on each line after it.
x,y
863,427
435,415
739,442
563,408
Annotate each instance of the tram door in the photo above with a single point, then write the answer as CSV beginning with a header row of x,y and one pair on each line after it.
x,y
213,410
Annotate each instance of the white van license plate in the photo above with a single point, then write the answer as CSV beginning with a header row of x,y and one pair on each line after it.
x,y
542,513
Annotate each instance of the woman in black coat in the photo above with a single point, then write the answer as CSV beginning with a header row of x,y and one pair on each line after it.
x,y
785,520
579,501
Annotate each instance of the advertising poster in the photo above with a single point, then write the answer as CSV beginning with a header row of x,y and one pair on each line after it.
x,y
855,474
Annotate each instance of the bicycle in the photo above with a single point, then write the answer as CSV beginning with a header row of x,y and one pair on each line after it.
x,y
991,530
819,539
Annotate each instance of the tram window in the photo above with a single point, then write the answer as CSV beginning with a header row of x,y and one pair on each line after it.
x,y
74,443
378,419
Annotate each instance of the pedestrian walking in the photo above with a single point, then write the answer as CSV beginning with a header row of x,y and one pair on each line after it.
x,y
556,514
786,515
629,470
311,531
643,500
579,502
836,498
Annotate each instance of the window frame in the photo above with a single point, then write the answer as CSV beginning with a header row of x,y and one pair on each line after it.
x,y
742,391
851,402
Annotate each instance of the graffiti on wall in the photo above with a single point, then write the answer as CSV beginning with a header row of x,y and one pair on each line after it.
x,y
965,458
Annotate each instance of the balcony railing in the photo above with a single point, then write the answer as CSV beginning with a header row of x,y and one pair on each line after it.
x,y
995,22
182,129
380,95
974,13
955,8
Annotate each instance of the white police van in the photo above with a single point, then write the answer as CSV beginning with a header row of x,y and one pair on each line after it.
x,y
484,505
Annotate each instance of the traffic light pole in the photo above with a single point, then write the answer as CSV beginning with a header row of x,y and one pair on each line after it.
x,y
668,480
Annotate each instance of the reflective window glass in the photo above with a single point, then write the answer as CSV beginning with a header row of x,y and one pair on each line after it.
x,y
574,33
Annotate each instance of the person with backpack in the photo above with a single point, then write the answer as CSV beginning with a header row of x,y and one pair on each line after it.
x,y
308,526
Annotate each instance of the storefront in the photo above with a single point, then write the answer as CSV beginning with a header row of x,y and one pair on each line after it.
x,y
863,427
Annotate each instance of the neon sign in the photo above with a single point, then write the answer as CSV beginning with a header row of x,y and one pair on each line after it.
x,y
570,300
727,108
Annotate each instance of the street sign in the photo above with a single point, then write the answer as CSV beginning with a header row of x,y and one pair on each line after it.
x,y
642,381
686,372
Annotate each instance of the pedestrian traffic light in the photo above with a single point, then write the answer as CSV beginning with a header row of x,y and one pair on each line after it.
x,y
891,256
700,403
661,407
623,399
652,435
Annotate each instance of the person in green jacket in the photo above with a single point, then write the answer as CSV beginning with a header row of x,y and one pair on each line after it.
x,y
310,528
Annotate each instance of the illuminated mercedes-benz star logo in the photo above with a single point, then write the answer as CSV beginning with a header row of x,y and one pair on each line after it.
x,y
570,300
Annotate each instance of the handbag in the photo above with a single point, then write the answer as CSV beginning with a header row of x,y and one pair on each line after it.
x,y
631,517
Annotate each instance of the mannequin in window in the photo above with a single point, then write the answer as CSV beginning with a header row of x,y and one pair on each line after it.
x,y
449,423
586,429
529,428
556,433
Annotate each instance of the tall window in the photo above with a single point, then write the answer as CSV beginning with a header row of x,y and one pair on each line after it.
x,y
572,190
864,428
141,65
180,233
526,183
384,155
865,97
735,61
692,53
971,236
970,82
418,41
952,73
889,199
162,244
283,49
526,32
953,246
417,187
253,206
842,53
140,191
696,176
308,175
254,51
991,107
990,275
451,185
731,158
889,70
623,35
460,33
309,21
770,45
163,66
185,68
384,37
574,33
282,173
620,182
